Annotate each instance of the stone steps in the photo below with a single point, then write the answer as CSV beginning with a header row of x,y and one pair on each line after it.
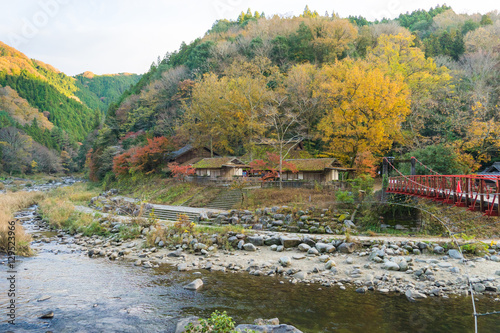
x,y
170,214
226,200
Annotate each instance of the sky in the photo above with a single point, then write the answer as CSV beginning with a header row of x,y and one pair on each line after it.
x,y
115,36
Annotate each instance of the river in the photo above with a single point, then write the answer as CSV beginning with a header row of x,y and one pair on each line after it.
x,y
97,295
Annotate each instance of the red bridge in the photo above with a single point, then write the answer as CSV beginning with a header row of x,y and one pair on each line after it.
x,y
476,192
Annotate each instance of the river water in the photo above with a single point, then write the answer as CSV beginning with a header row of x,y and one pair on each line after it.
x,y
96,295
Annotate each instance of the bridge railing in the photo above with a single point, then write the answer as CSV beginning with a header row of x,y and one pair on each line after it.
x,y
476,192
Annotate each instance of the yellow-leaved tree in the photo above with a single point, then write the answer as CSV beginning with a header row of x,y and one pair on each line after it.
x,y
226,113
365,107
427,83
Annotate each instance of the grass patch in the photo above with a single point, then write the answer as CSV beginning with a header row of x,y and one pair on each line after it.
x,y
58,208
9,204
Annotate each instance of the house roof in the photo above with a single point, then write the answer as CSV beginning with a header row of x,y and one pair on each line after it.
x,y
316,164
218,162
187,148
181,151
492,169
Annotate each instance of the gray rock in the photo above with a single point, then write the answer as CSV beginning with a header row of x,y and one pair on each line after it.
x,y
323,258
497,273
495,258
438,250
304,247
272,241
279,248
177,253
479,287
47,315
289,242
298,257
196,284
312,251
182,267
249,247
455,254
391,266
273,247
329,264
255,240
285,261
403,265
346,247
361,290
416,252
240,244
267,328
182,323
321,247
300,275
413,294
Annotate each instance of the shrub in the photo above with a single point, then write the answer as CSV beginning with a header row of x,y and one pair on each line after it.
x,y
217,323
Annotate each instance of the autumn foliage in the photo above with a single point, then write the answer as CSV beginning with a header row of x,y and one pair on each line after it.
x,y
271,166
180,172
147,159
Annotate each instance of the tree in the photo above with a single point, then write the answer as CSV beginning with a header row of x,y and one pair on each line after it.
x,y
273,167
16,148
398,56
181,172
365,108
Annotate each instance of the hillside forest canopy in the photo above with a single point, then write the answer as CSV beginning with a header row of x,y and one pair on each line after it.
x,y
423,84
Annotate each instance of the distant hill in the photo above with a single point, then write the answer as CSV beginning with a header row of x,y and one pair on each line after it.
x,y
55,110
99,91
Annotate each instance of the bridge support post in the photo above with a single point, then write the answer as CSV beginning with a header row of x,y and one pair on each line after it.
x,y
413,171
385,175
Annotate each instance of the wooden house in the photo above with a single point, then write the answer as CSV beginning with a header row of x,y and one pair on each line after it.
x,y
316,169
190,155
219,167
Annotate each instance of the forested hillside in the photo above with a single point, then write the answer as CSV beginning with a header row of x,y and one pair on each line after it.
x,y
42,109
426,83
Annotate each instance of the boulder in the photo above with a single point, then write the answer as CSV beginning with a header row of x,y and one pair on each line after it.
x,y
196,284
413,295
304,247
312,251
255,240
285,261
455,254
438,250
391,266
289,242
249,247
346,247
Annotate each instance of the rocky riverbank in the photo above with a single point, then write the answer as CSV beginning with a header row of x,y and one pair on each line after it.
x,y
417,269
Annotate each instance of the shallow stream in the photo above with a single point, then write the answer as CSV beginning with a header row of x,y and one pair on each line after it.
x,y
97,295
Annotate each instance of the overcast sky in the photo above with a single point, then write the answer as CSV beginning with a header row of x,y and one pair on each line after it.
x,y
113,36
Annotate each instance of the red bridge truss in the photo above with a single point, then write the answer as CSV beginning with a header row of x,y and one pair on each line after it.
x,y
476,192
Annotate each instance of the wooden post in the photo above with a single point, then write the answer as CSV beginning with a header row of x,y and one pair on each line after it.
x,y
385,174
481,195
413,171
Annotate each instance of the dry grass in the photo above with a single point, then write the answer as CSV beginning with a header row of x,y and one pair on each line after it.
x,y
296,197
9,204
59,210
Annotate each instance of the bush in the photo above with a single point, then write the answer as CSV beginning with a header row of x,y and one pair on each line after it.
x,y
217,323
